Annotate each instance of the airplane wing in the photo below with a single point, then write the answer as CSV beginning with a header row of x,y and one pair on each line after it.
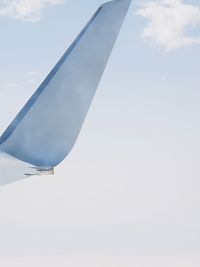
x,y
12,169
47,127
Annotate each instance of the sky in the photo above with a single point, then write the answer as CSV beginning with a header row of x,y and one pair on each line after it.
x,y
128,193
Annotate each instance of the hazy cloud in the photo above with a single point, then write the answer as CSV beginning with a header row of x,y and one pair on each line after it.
x,y
27,10
2,95
168,22
33,73
11,85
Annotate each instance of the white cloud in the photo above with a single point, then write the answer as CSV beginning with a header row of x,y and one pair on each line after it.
x,y
33,73
11,85
27,10
169,21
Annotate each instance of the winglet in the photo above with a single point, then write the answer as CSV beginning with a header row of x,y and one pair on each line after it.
x,y
46,129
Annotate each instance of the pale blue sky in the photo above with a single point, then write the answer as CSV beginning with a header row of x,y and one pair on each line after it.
x,y
131,185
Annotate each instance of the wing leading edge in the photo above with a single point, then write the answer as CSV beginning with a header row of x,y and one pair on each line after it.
x,y
46,129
